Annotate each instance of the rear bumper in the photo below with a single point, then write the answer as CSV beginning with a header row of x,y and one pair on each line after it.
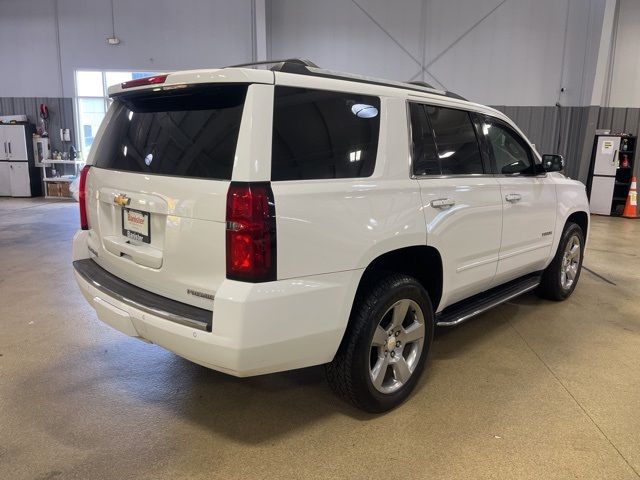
x,y
254,329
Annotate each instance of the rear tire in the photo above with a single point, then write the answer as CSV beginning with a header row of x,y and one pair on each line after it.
x,y
385,346
560,278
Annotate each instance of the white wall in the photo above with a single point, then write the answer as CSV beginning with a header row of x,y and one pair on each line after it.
x,y
601,81
156,35
512,52
28,49
624,82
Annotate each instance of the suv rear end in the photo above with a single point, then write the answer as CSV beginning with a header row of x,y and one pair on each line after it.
x,y
179,244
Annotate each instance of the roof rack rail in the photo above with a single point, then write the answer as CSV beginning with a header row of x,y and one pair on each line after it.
x,y
446,93
454,95
422,84
294,61
306,67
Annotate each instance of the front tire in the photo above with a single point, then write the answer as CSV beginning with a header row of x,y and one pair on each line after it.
x,y
560,278
386,344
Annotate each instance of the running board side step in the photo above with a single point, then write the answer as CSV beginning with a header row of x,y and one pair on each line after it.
x,y
472,306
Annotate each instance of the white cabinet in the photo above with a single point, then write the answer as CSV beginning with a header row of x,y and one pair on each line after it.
x,y
5,179
18,175
15,142
601,194
4,152
19,178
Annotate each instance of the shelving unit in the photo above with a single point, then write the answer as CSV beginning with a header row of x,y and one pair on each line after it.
x,y
57,185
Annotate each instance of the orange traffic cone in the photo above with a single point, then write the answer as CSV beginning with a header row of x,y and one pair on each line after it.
x,y
631,208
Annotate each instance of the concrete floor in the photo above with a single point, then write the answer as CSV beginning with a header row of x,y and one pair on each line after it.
x,y
532,389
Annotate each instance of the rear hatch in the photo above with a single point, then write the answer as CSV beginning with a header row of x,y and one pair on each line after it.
x,y
157,188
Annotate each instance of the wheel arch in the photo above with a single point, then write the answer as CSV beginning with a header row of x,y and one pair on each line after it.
x,y
420,261
580,218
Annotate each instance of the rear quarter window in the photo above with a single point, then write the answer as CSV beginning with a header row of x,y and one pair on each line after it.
x,y
320,134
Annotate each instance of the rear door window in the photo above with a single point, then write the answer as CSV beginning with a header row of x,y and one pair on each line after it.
x,y
456,142
423,146
189,132
319,134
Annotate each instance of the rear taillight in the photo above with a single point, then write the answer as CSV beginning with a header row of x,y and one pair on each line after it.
x,y
251,232
139,82
83,198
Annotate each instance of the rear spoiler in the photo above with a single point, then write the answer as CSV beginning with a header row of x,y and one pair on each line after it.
x,y
193,77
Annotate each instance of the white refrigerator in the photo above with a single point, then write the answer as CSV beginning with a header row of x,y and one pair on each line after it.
x,y
605,166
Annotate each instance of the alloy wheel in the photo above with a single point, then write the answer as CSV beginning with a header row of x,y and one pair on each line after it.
x,y
570,262
396,346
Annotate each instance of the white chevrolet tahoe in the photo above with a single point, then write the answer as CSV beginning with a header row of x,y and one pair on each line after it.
x,y
255,220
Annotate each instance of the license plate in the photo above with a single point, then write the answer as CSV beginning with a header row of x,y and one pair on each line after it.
x,y
135,225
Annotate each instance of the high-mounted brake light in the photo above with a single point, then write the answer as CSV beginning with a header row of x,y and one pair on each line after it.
x,y
139,82
83,198
251,232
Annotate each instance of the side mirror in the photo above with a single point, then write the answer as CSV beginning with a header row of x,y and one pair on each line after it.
x,y
553,162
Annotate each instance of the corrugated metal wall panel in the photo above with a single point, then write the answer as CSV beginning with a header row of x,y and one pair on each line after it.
x,y
60,114
537,125
548,131
586,135
573,127
618,119
576,123
632,122
605,117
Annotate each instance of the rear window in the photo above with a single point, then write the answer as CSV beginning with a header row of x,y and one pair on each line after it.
x,y
319,134
188,132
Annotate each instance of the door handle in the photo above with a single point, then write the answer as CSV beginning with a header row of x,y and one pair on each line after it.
x,y
513,197
9,147
5,147
443,203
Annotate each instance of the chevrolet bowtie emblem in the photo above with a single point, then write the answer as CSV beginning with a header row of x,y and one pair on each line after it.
x,y
122,200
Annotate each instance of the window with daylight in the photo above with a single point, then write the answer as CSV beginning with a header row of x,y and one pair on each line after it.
x,y
92,100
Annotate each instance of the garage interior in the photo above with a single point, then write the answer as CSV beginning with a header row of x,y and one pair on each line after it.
x,y
530,389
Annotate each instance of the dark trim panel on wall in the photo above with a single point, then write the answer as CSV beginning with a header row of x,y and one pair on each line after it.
x,y
60,114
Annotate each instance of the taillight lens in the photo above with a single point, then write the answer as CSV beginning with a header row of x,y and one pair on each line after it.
x,y
251,232
83,198
139,82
